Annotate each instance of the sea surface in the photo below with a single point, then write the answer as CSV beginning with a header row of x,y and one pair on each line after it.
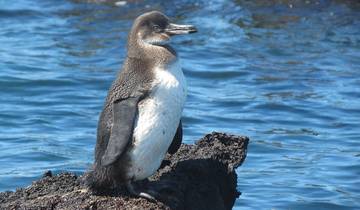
x,y
285,73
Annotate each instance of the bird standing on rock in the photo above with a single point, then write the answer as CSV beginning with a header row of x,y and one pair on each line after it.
x,y
140,120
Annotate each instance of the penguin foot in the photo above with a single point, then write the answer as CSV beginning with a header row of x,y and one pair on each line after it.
x,y
145,195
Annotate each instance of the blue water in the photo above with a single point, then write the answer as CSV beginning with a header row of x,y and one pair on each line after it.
x,y
284,73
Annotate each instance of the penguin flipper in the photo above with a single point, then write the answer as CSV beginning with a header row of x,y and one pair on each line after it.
x,y
176,142
124,114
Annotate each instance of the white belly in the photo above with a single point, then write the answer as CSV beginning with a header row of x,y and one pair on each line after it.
x,y
158,118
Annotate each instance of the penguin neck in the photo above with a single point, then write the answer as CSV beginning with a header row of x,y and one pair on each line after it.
x,y
155,54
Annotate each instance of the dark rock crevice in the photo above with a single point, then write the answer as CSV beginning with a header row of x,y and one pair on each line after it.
x,y
200,176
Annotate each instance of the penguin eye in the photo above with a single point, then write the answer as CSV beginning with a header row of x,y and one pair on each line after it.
x,y
156,28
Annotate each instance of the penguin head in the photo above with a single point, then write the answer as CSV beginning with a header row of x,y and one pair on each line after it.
x,y
154,28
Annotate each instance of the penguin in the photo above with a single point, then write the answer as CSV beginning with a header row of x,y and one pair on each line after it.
x,y
141,119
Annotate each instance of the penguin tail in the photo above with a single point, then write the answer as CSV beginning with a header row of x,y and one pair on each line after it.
x,y
98,179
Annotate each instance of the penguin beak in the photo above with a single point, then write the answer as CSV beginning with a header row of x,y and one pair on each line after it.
x,y
175,29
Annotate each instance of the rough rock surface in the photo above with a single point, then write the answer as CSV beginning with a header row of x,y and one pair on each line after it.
x,y
200,176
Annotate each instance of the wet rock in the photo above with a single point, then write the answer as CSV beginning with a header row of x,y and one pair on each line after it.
x,y
200,176
47,174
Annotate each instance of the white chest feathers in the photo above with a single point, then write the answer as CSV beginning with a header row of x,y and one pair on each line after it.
x,y
157,121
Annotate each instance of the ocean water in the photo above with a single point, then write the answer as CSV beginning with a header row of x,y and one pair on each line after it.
x,y
285,73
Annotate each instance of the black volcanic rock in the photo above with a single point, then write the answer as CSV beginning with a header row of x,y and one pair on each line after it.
x,y
200,176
